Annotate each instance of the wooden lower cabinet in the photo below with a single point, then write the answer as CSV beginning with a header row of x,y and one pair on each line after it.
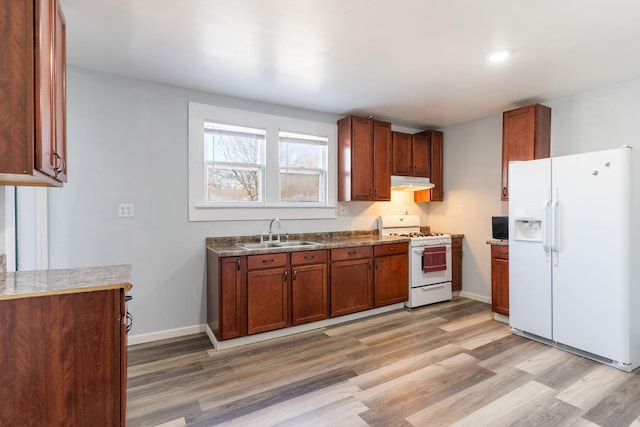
x,y
268,291
500,279
351,280
456,264
63,359
309,287
391,274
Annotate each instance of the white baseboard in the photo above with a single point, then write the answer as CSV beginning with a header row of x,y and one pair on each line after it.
x,y
161,335
475,297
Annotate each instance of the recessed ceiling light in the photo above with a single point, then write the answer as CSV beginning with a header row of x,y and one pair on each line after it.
x,y
498,55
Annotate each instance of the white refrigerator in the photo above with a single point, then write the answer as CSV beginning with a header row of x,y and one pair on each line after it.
x,y
570,272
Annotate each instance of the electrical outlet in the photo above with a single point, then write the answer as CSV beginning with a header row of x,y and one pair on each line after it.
x,y
344,210
125,210
458,209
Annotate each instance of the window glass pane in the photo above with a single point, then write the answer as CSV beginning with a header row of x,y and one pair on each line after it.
x,y
233,185
300,187
303,167
234,157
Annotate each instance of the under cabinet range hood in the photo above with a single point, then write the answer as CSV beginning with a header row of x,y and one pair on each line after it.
x,y
410,183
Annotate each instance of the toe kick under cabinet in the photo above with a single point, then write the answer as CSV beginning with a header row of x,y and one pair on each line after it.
x,y
251,294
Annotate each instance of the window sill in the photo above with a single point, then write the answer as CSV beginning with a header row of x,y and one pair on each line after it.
x,y
206,212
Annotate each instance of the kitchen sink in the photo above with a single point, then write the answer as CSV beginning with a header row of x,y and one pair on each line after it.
x,y
294,243
277,244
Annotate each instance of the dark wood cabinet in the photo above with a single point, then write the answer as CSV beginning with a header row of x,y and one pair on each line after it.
x,y
309,287
226,304
268,290
500,279
411,154
391,274
432,142
364,159
351,280
402,154
64,359
526,135
33,112
456,264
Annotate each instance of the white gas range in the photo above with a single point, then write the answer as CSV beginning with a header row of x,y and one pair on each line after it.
x,y
429,259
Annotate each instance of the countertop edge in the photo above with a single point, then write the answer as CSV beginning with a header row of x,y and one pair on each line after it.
x,y
498,242
38,283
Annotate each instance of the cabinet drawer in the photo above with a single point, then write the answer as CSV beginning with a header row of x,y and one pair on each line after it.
x,y
267,261
351,253
390,249
308,257
499,252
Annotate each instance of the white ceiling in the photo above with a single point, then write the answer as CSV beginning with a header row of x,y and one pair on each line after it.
x,y
418,63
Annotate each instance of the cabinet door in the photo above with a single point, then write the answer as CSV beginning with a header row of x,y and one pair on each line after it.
x,y
231,317
402,163
421,147
61,360
456,264
526,134
391,280
309,293
381,161
437,192
351,286
362,159
45,97
500,286
267,300
60,94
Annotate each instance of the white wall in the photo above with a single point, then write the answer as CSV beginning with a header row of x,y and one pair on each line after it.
x,y
127,143
599,119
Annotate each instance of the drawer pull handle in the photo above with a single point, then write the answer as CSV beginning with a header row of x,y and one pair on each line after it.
x,y
391,249
309,257
352,253
503,252
285,275
267,260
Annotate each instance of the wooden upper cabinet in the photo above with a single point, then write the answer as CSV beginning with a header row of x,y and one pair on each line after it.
x,y
33,112
526,135
402,156
433,142
364,159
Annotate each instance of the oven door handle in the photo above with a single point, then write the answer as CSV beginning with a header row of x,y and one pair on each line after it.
x,y
431,288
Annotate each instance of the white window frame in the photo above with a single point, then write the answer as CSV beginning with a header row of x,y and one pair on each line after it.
x,y
271,207
320,172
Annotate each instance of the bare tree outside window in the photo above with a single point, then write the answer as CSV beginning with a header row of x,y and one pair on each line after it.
x,y
235,163
303,167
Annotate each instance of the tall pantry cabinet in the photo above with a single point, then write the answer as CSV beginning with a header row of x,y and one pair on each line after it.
x,y
33,98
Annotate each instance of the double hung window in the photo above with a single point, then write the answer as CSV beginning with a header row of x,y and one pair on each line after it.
x,y
247,165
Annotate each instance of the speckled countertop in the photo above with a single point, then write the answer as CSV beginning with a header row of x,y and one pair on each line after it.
x,y
24,284
228,246
498,242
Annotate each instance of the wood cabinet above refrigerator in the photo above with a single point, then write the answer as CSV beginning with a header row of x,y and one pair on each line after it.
x,y
33,108
526,135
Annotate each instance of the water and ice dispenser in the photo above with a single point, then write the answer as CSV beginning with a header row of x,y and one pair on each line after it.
x,y
528,226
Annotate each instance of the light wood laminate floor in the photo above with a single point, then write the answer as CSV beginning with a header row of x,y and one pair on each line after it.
x,y
448,364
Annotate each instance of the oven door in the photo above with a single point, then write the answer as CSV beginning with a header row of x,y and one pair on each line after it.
x,y
418,277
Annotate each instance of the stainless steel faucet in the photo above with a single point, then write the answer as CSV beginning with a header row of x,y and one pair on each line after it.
x,y
271,225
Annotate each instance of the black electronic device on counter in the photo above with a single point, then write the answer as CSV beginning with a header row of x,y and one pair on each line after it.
x,y
500,227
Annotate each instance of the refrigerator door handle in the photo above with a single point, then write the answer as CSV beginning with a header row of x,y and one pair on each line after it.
x,y
546,225
555,234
